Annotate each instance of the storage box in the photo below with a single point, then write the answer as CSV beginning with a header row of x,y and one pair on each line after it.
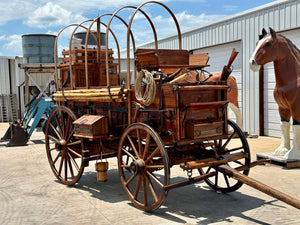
x,y
202,130
154,59
91,126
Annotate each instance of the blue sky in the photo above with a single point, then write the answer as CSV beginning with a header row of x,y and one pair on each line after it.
x,y
20,17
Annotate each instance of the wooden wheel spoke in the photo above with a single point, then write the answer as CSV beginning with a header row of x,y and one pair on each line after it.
x,y
56,158
66,166
125,166
137,189
216,178
70,165
155,179
154,166
61,164
234,149
130,179
53,138
51,149
127,153
238,162
139,142
229,139
68,126
58,124
157,150
74,162
70,135
74,143
151,188
133,147
147,146
220,143
226,180
56,132
74,152
63,127
209,168
145,191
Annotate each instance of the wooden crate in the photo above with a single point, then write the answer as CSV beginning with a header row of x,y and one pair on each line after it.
x,y
154,59
91,126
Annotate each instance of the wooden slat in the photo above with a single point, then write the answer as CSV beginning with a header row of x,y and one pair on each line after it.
x,y
204,105
212,161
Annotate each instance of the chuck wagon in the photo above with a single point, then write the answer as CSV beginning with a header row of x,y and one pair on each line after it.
x,y
157,122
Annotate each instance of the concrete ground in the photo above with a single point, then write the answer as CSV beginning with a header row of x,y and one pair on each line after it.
x,y
30,194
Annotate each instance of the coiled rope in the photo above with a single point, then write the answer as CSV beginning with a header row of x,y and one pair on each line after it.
x,y
150,90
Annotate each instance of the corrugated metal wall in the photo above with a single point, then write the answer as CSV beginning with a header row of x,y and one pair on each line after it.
x,y
9,88
246,26
8,98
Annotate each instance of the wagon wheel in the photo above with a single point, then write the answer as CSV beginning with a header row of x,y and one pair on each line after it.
x,y
147,171
64,151
234,143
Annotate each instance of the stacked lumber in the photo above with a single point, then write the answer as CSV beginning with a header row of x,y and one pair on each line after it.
x,y
117,94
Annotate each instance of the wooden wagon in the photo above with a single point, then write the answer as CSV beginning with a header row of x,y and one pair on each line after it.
x,y
159,122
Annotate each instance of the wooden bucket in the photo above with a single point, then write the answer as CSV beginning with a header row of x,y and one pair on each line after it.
x,y
101,168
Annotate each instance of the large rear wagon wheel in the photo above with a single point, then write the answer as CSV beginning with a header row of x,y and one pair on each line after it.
x,y
235,142
64,151
143,166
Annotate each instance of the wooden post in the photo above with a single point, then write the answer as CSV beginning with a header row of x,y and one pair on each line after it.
x,y
26,88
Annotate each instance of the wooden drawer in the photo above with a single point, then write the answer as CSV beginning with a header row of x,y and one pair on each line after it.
x,y
91,126
202,130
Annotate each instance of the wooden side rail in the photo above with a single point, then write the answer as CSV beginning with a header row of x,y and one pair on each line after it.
x,y
204,105
208,162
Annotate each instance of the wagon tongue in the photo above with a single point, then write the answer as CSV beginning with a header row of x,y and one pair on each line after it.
x,y
258,185
15,136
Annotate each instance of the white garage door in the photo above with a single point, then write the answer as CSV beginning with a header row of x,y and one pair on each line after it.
x,y
218,57
271,115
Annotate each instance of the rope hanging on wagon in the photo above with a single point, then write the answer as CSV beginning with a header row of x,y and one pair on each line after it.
x,y
150,90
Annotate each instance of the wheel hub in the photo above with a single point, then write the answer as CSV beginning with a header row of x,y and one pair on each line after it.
x,y
138,166
61,145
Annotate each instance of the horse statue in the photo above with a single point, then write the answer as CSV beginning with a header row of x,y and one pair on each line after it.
x,y
286,57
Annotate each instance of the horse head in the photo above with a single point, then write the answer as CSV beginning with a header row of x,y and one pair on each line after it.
x,y
266,50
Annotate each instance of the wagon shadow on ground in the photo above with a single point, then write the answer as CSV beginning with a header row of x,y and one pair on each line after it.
x,y
197,202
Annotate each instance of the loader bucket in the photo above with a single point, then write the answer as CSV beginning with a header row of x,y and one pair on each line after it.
x,y
7,135
16,136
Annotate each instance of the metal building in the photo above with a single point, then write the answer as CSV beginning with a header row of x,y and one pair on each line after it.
x,y
240,31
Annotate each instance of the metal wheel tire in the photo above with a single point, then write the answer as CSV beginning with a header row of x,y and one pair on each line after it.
x,y
64,151
143,165
234,143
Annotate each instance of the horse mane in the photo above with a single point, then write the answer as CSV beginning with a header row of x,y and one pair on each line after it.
x,y
290,42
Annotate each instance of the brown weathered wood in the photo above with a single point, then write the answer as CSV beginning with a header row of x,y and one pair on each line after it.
x,y
208,162
199,59
259,186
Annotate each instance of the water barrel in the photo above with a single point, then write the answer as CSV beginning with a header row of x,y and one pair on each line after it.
x,y
38,48
91,39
